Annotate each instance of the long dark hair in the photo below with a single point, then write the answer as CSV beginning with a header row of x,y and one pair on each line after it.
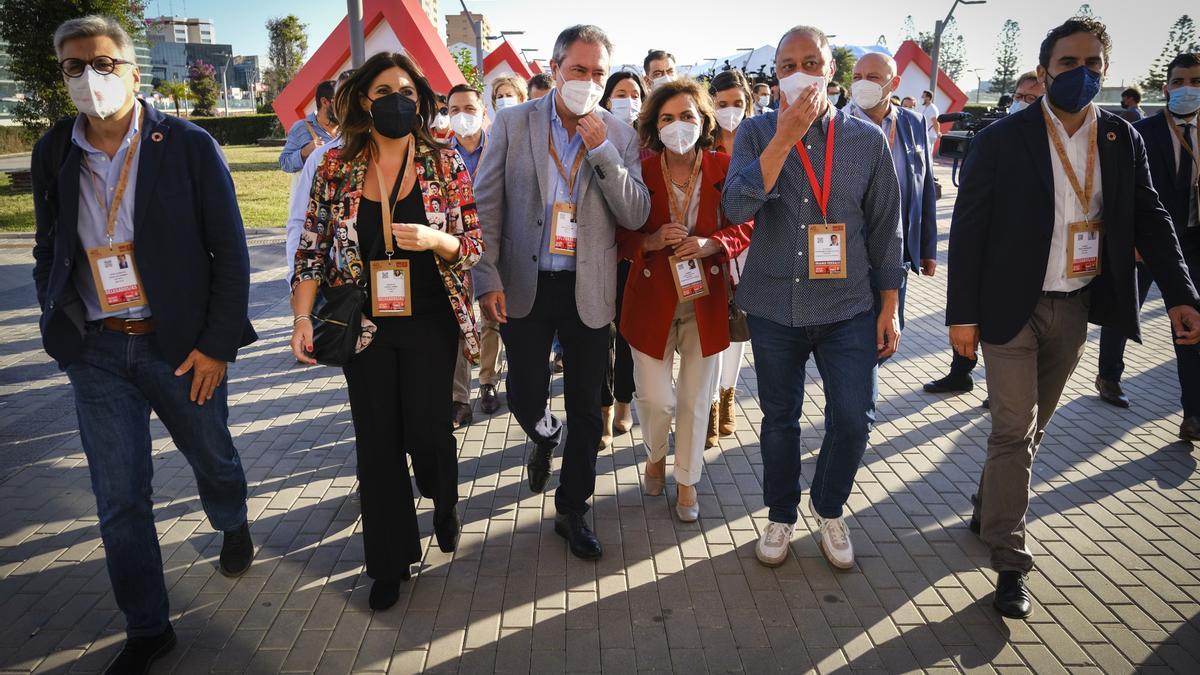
x,y
615,79
356,122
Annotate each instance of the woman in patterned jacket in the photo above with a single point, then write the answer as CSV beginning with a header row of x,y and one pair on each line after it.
x,y
392,211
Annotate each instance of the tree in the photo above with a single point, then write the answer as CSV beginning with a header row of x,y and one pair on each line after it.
x,y
845,60
466,65
1008,58
288,44
203,83
176,91
1181,38
28,27
952,56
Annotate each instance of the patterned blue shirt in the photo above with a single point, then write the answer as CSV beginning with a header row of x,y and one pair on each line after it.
x,y
865,195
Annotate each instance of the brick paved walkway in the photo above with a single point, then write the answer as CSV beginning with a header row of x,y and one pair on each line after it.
x,y
1115,526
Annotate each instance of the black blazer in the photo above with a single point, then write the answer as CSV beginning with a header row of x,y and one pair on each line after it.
x,y
1003,221
188,237
1163,165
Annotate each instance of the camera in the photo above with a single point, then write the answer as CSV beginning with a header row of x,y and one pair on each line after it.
x,y
956,144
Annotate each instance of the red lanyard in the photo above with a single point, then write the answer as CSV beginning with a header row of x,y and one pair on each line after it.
x,y
820,192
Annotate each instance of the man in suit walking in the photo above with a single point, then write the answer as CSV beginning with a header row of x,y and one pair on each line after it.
x,y
1172,153
558,179
1027,276
123,183
870,99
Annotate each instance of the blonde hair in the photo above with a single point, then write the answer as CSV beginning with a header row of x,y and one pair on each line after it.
x,y
512,81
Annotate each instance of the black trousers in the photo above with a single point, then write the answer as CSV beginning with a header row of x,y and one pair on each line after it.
x,y
398,391
585,352
618,378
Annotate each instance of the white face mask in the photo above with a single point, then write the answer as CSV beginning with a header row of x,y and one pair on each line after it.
x,y
660,81
764,101
866,94
440,122
466,124
679,136
505,102
626,109
581,96
793,85
1184,100
729,118
1017,106
97,95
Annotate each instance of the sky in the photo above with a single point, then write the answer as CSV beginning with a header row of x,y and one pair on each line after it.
x,y
700,29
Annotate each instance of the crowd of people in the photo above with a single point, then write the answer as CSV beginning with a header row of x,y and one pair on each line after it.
x,y
643,227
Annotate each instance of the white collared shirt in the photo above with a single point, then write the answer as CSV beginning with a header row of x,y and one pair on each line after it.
x,y
1067,208
1175,153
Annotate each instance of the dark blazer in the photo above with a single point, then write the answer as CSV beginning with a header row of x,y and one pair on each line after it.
x,y
188,237
1163,165
920,204
1003,221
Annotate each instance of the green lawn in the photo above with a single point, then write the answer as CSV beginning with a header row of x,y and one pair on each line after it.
x,y
262,191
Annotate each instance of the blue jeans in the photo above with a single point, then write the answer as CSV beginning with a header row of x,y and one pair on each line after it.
x,y
117,381
846,358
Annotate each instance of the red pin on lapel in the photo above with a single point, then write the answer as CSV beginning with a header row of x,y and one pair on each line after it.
x,y
1112,136
157,136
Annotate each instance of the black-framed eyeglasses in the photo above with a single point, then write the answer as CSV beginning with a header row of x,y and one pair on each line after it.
x,y
103,65
1028,99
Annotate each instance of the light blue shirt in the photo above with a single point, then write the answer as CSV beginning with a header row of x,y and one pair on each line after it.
x,y
298,137
899,160
558,189
99,174
470,159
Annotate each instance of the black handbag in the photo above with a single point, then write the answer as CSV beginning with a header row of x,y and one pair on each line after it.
x,y
739,328
337,323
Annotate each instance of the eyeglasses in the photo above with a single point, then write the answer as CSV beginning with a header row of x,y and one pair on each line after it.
x,y
1028,99
103,65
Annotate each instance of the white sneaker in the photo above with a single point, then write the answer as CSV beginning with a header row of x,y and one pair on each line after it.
x,y
835,541
773,545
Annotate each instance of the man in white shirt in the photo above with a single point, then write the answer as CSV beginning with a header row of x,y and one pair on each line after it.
x,y
930,112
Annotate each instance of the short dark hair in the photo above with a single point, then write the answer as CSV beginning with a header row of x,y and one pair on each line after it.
x,y
1079,24
324,91
1184,60
927,93
655,55
580,33
463,89
540,81
1133,94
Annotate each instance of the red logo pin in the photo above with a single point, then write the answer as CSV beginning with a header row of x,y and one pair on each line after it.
x,y
1112,135
157,136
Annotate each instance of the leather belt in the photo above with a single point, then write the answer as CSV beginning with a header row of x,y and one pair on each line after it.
x,y
558,274
1062,295
128,326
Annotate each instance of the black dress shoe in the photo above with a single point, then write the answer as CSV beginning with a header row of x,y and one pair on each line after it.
x,y
987,404
1012,597
539,467
974,525
951,384
460,414
1189,429
139,652
237,552
1110,392
574,528
385,592
446,530
488,402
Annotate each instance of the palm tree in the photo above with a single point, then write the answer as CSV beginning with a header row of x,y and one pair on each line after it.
x,y
176,91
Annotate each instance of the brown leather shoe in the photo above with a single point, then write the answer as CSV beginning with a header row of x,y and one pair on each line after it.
x,y
1189,430
714,415
1110,393
460,414
728,421
488,403
622,419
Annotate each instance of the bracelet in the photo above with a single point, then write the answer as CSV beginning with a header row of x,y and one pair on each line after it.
x,y
302,317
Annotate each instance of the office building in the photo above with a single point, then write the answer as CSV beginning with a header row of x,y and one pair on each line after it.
x,y
181,29
459,29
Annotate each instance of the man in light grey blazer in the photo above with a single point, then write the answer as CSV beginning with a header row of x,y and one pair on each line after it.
x,y
558,177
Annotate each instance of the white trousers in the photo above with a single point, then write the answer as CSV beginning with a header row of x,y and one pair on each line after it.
x,y
687,400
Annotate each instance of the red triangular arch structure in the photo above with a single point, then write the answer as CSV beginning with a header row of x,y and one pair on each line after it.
x,y
909,55
409,26
506,54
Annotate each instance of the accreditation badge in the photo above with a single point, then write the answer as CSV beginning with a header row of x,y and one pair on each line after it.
x,y
827,251
564,231
391,288
690,281
1084,241
114,272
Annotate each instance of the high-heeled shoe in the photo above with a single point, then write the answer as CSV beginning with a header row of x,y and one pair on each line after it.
x,y
688,513
654,484
446,530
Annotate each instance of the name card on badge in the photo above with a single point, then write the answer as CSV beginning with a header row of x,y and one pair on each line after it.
x,y
827,251
391,288
1084,240
114,272
690,281
564,233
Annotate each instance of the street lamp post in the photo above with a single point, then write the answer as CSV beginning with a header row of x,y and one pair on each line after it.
x,y
225,82
477,28
749,52
937,41
978,83
358,48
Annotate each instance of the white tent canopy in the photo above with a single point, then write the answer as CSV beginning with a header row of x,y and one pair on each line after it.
x,y
762,57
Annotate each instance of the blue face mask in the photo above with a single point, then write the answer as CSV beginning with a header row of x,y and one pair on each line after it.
x,y
1184,100
1074,89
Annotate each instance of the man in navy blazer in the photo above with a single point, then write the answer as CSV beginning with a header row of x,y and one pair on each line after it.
x,y
1027,275
874,81
1174,172
141,206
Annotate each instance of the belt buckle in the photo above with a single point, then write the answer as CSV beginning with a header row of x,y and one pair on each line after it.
x,y
127,325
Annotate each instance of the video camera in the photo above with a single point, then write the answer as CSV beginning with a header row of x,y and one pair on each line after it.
x,y
956,144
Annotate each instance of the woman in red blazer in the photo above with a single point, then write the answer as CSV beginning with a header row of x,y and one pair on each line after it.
x,y
686,234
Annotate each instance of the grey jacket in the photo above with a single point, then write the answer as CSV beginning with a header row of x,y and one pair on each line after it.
x,y
510,188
